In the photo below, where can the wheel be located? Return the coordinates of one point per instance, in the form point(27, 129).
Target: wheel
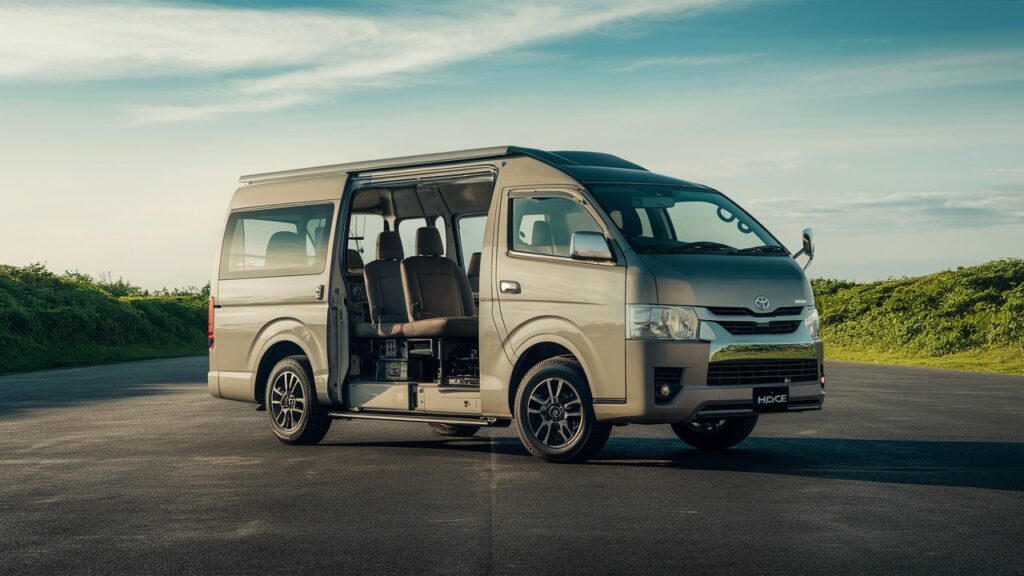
point(295, 415)
point(715, 434)
point(454, 430)
point(554, 415)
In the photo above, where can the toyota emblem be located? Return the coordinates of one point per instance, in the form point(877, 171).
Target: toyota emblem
point(762, 303)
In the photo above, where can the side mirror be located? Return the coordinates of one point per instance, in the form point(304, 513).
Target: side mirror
point(589, 246)
point(808, 248)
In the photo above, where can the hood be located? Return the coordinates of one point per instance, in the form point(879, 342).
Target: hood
point(733, 281)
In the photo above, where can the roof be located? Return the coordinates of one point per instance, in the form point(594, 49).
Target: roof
point(585, 167)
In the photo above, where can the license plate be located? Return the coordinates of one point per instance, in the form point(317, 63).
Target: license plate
point(773, 399)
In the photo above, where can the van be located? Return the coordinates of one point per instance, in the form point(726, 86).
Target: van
point(563, 293)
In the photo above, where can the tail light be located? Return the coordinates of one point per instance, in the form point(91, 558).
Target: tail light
point(209, 324)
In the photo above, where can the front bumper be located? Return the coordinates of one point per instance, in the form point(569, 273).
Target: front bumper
point(697, 399)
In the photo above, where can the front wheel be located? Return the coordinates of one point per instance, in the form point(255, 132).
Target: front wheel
point(715, 434)
point(554, 416)
point(295, 415)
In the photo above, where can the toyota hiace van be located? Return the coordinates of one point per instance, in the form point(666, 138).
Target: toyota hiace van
point(562, 292)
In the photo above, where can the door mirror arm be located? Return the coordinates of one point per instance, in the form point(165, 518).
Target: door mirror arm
point(808, 247)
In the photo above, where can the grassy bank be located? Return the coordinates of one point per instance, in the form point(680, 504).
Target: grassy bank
point(51, 320)
point(966, 319)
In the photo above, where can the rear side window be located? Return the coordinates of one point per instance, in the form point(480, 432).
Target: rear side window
point(546, 225)
point(471, 236)
point(276, 242)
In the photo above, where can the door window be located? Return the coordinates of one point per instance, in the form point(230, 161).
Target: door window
point(545, 225)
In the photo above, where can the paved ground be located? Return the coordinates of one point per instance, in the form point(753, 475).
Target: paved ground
point(132, 468)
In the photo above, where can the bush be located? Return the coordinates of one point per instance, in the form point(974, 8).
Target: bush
point(51, 320)
point(963, 310)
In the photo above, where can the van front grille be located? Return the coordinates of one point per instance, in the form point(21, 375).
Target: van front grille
point(751, 372)
point(774, 327)
point(734, 311)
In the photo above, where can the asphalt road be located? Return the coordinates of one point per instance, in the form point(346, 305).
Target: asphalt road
point(133, 468)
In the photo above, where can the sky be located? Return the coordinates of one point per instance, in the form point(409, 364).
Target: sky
point(893, 129)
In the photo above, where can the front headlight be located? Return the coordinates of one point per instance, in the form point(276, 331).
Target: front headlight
point(813, 324)
point(668, 322)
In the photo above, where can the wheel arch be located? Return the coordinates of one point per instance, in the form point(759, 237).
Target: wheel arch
point(273, 353)
point(537, 350)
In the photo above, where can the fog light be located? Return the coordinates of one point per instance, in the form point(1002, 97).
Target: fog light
point(664, 390)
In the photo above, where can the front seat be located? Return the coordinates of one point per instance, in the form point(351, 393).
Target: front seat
point(438, 297)
point(540, 238)
point(473, 272)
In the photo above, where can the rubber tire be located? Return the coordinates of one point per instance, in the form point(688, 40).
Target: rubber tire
point(315, 423)
point(454, 430)
point(594, 434)
point(730, 434)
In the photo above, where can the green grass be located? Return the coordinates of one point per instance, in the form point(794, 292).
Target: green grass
point(49, 320)
point(966, 319)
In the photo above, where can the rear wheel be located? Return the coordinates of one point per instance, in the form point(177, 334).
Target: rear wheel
point(554, 414)
point(454, 430)
point(715, 434)
point(295, 415)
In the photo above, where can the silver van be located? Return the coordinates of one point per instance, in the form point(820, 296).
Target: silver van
point(564, 292)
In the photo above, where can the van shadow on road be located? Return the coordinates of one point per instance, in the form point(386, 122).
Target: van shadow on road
point(992, 465)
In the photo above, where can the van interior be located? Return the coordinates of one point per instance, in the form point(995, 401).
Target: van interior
point(412, 269)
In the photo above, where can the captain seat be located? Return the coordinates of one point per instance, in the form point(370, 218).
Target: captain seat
point(438, 297)
point(383, 277)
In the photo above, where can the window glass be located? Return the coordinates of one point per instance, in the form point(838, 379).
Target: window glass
point(407, 230)
point(363, 231)
point(278, 242)
point(546, 225)
point(661, 219)
point(471, 236)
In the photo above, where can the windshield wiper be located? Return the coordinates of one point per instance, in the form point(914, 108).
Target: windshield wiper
point(762, 250)
point(691, 247)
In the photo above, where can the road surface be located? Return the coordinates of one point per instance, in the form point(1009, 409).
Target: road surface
point(133, 468)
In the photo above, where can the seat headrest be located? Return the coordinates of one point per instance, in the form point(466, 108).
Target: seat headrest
point(354, 262)
point(628, 221)
point(389, 246)
point(541, 234)
point(428, 242)
point(286, 250)
point(474, 265)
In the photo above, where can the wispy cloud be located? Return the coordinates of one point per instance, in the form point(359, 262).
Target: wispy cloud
point(907, 210)
point(687, 61)
point(287, 57)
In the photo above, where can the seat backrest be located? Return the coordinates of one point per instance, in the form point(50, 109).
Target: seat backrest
point(435, 286)
point(286, 250)
point(540, 238)
point(354, 263)
point(473, 272)
point(384, 291)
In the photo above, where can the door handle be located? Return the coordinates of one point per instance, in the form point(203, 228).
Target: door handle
point(509, 287)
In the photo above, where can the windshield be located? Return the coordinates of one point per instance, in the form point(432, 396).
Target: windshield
point(665, 219)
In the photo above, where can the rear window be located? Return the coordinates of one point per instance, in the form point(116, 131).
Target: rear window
point(276, 242)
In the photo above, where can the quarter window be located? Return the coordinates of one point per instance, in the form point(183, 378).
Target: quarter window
point(471, 236)
point(277, 242)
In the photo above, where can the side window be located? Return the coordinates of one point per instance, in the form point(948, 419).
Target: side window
point(471, 236)
point(362, 235)
point(407, 230)
point(546, 225)
point(276, 242)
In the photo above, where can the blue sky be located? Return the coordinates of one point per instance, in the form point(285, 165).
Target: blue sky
point(892, 128)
